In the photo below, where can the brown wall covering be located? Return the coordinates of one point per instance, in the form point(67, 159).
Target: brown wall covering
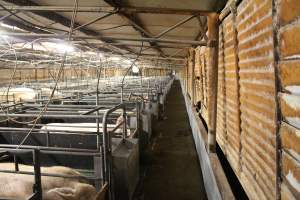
point(258, 86)
point(289, 76)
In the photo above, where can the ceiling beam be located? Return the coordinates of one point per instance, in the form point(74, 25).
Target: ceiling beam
point(175, 26)
point(136, 24)
point(134, 45)
point(62, 36)
point(53, 16)
point(97, 9)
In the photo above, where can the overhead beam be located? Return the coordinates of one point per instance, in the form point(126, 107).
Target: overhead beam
point(53, 16)
point(161, 46)
point(97, 9)
point(136, 24)
point(175, 26)
point(155, 57)
point(20, 25)
point(62, 36)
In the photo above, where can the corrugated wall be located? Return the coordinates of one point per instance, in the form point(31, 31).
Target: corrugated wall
point(257, 97)
point(232, 95)
point(247, 97)
point(289, 74)
point(202, 55)
point(221, 101)
point(258, 105)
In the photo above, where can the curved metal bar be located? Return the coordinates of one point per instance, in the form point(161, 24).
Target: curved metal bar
point(107, 153)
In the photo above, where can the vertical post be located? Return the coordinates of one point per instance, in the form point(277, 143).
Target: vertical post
point(124, 123)
point(186, 77)
point(213, 34)
point(35, 73)
point(278, 89)
point(192, 54)
point(37, 187)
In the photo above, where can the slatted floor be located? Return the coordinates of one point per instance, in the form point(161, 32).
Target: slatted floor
point(172, 170)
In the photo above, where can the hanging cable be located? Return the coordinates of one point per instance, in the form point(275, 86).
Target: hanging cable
point(132, 64)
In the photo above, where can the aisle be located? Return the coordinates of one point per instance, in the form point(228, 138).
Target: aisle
point(172, 170)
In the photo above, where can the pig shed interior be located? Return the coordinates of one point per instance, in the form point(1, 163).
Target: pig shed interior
point(149, 100)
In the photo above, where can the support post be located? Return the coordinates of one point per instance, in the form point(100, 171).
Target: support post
point(213, 34)
point(192, 54)
point(187, 77)
point(35, 74)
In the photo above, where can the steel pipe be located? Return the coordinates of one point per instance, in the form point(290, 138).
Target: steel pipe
point(153, 10)
point(62, 36)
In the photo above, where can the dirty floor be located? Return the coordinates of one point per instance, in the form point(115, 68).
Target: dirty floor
point(171, 170)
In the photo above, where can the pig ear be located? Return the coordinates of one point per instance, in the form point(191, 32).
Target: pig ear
point(102, 193)
point(60, 193)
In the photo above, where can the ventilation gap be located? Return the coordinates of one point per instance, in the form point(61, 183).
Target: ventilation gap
point(203, 122)
point(236, 187)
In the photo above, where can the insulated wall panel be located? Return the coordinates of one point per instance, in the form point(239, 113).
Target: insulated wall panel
point(233, 146)
point(257, 98)
point(289, 75)
point(221, 101)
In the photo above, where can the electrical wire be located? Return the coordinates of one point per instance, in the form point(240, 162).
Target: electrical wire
point(132, 64)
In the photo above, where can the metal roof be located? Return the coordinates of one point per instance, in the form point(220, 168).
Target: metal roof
point(111, 23)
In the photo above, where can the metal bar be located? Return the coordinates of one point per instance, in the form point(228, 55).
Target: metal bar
point(124, 124)
point(128, 9)
point(202, 30)
point(37, 187)
point(94, 110)
point(50, 174)
point(118, 126)
point(28, 148)
point(8, 15)
point(175, 26)
point(54, 16)
point(94, 20)
point(107, 157)
point(40, 131)
point(41, 35)
point(34, 196)
point(52, 116)
point(132, 45)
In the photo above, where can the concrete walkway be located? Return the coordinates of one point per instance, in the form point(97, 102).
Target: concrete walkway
point(172, 170)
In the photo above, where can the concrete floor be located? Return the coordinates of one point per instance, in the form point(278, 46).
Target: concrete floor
point(171, 169)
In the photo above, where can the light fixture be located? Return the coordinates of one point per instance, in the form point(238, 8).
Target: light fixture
point(61, 47)
point(65, 48)
point(135, 69)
